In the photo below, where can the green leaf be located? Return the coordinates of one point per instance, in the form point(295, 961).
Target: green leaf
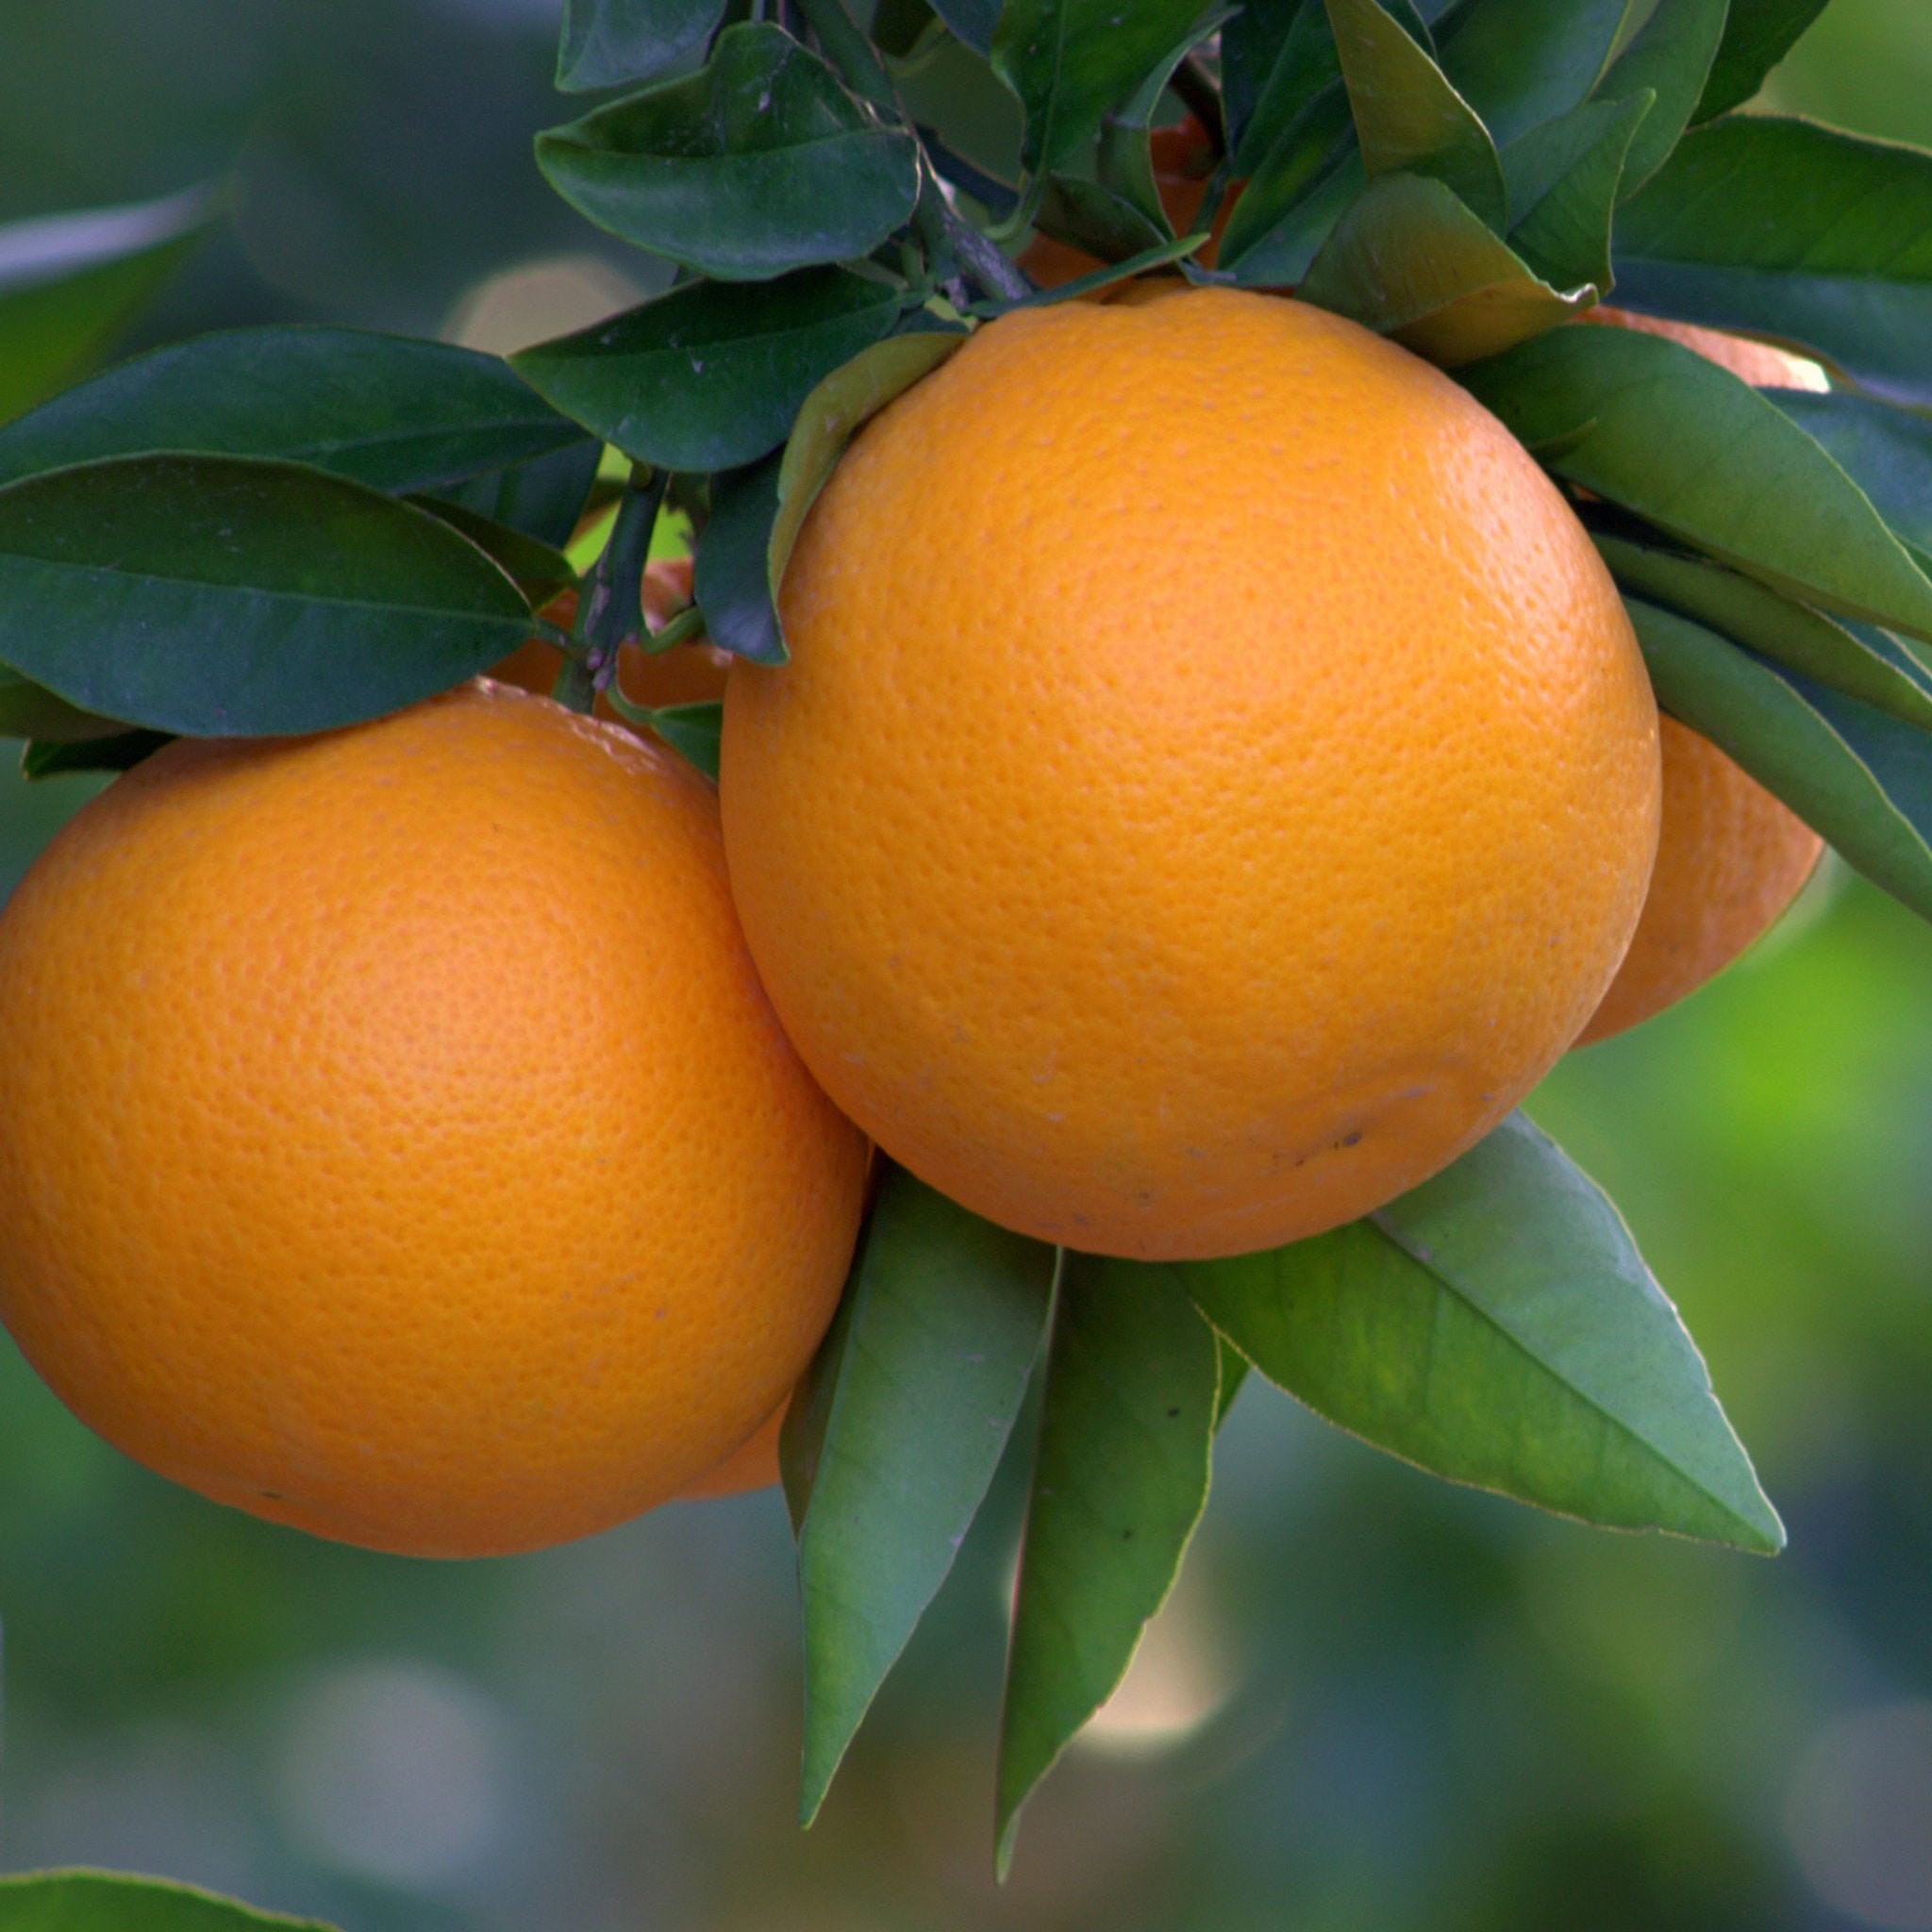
point(1127, 1435)
point(1855, 775)
point(1667, 434)
point(1070, 60)
point(1522, 62)
point(974, 22)
point(1564, 179)
point(614, 42)
point(538, 570)
point(1410, 261)
point(69, 284)
point(904, 1416)
point(1276, 56)
point(221, 595)
point(1125, 160)
point(544, 497)
point(1672, 58)
point(710, 376)
point(1497, 1327)
point(397, 414)
point(693, 731)
point(112, 1902)
point(1284, 217)
point(758, 513)
point(1094, 219)
point(1408, 117)
point(1757, 35)
point(1887, 452)
point(1794, 231)
point(1860, 661)
point(758, 163)
point(29, 711)
point(56, 758)
point(1234, 1378)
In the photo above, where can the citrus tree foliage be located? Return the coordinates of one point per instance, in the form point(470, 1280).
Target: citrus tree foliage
point(283, 530)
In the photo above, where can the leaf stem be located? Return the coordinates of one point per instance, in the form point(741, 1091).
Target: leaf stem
point(610, 610)
point(984, 261)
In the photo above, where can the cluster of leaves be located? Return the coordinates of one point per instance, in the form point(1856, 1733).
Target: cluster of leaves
point(284, 530)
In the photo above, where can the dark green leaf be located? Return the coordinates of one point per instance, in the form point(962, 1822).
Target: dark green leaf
point(1093, 219)
point(1410, 261)
point(710, 376)
point(69, 284)
point(974, 22)
point(693, 731)
point(1408, 116)
point(1657, 428)
point(1670, 57)
point(1757, 35)
point(1522, 62)
point(1070, 60)
point(613, 42)
point(218, 595)
point(907, 1412)
point(27, 710)
point(1859, 660)
point(543, 498)
point(1127, 1435)
point(112, 1902)
point(1856, 775)
point(1886, 452)
point(732, 581)
point(758, 163)
point(1288, 210)
point(44, 758)
point(1564, 178)
point(1497, 1326)
point(391, 412)
point(1125, 160)
point(538, 570)
point(1793, 231)
point(1276, 56)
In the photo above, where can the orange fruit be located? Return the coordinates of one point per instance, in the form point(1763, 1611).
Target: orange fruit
point(692, 674)
point(1184, 159)
point(1731, 857)
point(752, 1465)
point(1182, 913)
point(394, 1139)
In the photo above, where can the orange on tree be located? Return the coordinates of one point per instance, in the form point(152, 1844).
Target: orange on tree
point(1730, 855)
point(443, 1182)
point(752, 1465)
point(1173, 913)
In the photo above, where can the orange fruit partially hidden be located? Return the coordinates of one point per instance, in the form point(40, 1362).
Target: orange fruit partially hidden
point(1763, 364)
point(1730, 859)
point(752, 1465)
point(394, 1139)
point(1175, 913)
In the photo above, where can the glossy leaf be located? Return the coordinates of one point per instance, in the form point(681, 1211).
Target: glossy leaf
point(538, 570)
point(732, 581)
point(1670, 57)
point(542, 496)
point(1287, 213)
point(1276, 56)
point(758, 163)
point(113, 1902)
point(614, 42)
point(388, 411)
point(1070, 60)
point(710, 376)
point(1857, 777)
point(1127, 1435)
point(1564, 179)
point(904, 1416)
point(1886, 452)
point(1408, 116)
point(69, 284)
point(1657, 428)
point(1497, 1327)
point(695, 732)
point(1410, 261)
point(1797, 232)
point(1857, 659)
point(1757, 35)
point(1124, 159)
point(30, 711)
point(1095, 220)
point(56, 757)
point(1522, 62)
point(217, 595)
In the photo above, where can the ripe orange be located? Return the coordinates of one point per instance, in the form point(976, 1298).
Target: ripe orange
point(689, 674)
point(394, 1139)
point(752, 1465)
point(1730, 855)
point(1182, 913)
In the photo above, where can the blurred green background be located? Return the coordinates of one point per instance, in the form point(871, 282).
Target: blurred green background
point(1374, 1703)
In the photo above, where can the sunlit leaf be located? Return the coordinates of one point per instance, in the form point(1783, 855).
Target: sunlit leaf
point(1125, 1439)
point(903, 1421)
point(1662, 431)
point(1757, 35)
point(112, 1902)
point(614, 42)
point(218, 595)
point(758, 163)
point(1497, 1326)
point(710, 376)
